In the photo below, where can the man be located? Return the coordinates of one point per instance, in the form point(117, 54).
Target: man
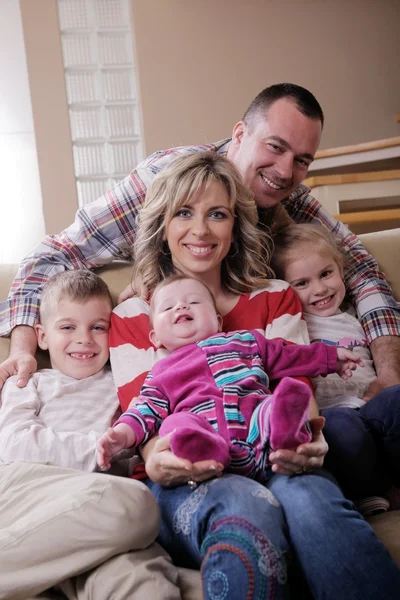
point(273, 147)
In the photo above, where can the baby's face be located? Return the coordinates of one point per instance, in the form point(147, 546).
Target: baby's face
point(317, 281)
point(183, 313)
point(76, 336)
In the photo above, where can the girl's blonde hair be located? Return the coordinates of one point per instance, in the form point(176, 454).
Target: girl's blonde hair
point(246, 267)
point(289, 238)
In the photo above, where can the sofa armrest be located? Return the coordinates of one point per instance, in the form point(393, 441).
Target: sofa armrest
point(385, 248)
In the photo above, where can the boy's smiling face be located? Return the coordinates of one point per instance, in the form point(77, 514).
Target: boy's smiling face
point(76, 336)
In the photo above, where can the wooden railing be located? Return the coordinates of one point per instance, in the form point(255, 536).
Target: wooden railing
point(362, 216)
point(356, 148)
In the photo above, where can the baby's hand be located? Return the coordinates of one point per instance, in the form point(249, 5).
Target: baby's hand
point(347, 362)
point(113, 441)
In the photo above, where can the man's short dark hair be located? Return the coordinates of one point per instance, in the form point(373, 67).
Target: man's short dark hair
point(304, 100)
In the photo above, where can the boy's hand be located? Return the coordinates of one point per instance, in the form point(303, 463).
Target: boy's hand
point(113, 441)
point(347, 362)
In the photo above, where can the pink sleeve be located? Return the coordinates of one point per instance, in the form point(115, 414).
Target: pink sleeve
point(290, 360)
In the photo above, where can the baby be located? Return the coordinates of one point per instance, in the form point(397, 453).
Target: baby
point(212, 392)
point(364, 444)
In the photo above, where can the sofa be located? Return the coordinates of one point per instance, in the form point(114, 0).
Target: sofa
point(384, 246)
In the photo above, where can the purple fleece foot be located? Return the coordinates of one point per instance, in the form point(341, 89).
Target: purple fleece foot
point(289, 415)
point(194, 438)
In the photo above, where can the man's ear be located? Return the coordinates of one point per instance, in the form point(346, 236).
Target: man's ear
point(219, 323)
point(154, 339)
point(41, 337)
point(238, 132)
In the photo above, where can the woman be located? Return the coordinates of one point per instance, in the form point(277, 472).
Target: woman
point(198, 219)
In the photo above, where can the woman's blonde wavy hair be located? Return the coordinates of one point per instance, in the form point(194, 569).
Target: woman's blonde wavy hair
point(244, 269)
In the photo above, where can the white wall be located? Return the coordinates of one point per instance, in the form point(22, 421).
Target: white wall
point(21, 217)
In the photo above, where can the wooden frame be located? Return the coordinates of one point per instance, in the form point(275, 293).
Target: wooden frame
point(359, 217)
point(362, 147)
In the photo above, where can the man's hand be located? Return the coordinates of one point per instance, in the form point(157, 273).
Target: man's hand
point(23, 365)
point(385, 352)
point(346, 362)
point(21, 361)
point(374, 388)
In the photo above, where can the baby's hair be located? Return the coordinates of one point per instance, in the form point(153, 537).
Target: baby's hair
point(78, 285)
point(289, 238)
point(173, 279)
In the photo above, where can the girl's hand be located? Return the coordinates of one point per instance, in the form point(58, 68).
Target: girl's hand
point(347, 362)
point(163, 467)
point(306, 457)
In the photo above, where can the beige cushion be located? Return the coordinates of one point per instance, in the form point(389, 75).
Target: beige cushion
point(385, 247)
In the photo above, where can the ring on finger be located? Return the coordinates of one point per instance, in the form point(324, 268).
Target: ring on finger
point(192, 484)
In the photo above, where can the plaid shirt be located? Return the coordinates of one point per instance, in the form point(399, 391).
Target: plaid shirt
point(104, 231)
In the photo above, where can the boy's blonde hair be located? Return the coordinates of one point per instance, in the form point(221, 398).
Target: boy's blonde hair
point(173, 279)
point(78, 285)
point(289, 238)
point(246, 267)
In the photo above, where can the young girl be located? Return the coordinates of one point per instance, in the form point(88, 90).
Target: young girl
point(212, 392)
point(363, 437)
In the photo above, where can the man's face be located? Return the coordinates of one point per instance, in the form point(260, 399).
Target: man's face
point(273, 152)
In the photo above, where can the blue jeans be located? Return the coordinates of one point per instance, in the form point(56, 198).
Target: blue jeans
point(249, 539)
point(364, 445)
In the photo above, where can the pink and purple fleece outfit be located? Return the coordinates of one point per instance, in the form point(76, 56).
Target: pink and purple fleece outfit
point(215, 395)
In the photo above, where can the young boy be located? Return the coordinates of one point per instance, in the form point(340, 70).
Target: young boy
point(212, 391)
point(59, 416)
point(364, 444)
point(61, 526)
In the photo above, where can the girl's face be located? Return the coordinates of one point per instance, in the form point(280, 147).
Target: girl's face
point(199, 234)
point(317, 281)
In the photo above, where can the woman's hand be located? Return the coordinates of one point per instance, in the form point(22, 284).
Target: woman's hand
point(306, 457)
point(133, 288)
point(163, 467)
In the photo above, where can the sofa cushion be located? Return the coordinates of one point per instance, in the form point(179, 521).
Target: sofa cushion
point(385, 248)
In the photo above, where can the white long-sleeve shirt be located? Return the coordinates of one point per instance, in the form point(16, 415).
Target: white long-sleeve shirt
point(56, 419)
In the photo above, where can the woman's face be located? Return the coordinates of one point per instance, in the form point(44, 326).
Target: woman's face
point(199, 234)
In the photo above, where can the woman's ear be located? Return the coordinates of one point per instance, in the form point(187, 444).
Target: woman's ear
point(41, 337)
point(154, 339)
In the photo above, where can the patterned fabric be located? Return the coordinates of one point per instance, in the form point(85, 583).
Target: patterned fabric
point(275, 311)
point(104, 231)
point(223, 379)
point(56, 419)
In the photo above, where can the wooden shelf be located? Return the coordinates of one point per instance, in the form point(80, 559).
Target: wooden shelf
point(355, 148)
point(344, 178)
point(369, 216)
